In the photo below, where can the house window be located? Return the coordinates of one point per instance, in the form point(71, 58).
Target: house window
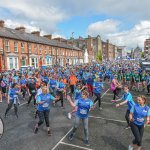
point(35, 48)
point(45, 49)
point(16, 62)
point(12, 62)
point(40, 49)
point(22, 47)
point(34, 62)
point(15, 46)
point(50, 50)
point(7, 48)
point(29, 48)
point(23, 61)
point(57, 51)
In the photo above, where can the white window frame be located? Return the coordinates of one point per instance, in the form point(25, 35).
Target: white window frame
point(45, 49)
point(15, 46)
point(35, 61)
point(22, 47)
point(40, 49)
point(7, 46)
point(29, 48)
point(15, 64)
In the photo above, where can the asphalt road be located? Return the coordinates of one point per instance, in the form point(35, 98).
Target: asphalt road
point(106, 129)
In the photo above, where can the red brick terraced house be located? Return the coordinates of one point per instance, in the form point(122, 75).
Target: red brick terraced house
point(19, 48)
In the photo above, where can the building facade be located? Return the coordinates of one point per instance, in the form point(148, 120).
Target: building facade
point(147, 48)
point(18, 48)
point(137, 52)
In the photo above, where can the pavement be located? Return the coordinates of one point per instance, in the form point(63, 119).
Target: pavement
point(106, 128)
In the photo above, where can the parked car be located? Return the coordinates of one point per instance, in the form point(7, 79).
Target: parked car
point(145, 66)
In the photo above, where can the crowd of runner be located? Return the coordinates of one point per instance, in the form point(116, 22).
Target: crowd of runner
point(82, 86)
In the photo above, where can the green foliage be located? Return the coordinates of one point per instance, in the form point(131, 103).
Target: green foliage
point(99, 57)
point(142, 54)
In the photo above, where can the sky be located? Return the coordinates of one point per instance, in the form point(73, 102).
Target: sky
point(123, 22)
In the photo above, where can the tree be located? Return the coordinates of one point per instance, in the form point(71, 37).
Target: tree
point(142, 54)
point(99, 57)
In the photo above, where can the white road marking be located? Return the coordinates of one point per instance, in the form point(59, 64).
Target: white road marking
point(107, 119)
point(75, 146)
point(133, 95)
point(61, 139)
point(71, 129)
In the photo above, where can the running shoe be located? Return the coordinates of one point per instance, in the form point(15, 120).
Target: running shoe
point(127, 127)
point(100, 108)
point(70, 137)
point(36, 130)
point(86, 142)
point(69, 115)
point(130, 147)
point(16, 115)
point(49, 132)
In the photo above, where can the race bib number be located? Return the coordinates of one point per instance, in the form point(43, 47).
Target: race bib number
point(45, 105)
point(140, 119)
point(83, 111)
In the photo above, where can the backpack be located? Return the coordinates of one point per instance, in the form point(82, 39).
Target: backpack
point(3, 84)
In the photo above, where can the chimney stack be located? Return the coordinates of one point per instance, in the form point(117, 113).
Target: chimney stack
point(2, 23)
point(48, 36)
point(22, 29)
point(37, 33)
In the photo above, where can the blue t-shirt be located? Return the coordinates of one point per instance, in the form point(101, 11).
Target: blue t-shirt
point(77, 94)
point(60, 85)
point(52, 83)
point(99, 86)
point(12, 93)
point(83, 107)
point(47, 99)
point(129, 98)
point(23, 81)
point(140, 113)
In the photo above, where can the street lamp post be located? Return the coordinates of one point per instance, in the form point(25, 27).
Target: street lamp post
point(72, 47)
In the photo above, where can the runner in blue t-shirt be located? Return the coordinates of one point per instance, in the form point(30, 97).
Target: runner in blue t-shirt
point(83, 105)
point(139, 116)
point(77, 95)
point(127, 99)
point(43, 102)
point(98, 86)
point(13, 91)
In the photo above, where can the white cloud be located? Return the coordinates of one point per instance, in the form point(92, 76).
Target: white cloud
point(40, 13)
point(109, 29)
point(133, 37)
point(103, 27)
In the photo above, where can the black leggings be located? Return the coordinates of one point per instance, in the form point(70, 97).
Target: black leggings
point(72, 89)
point(10, 106)
point(98, 98)
point(138, 133)
point(148, 88)
point(116, 92)
point(30, 98)
point(43, 115)
point(23, 90)
point(127, 117)
point(60, 99)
